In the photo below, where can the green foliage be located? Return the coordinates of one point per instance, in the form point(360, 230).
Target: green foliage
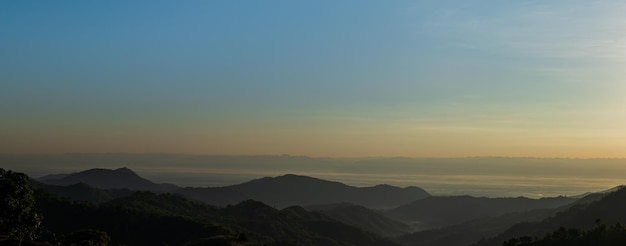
point(87, 238)
point(18, 218)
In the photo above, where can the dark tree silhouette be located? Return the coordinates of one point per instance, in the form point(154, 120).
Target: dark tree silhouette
point(601, 235)
point(87, 237)
point(18, 218)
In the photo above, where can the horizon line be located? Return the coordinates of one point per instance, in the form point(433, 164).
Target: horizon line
point(315, 157)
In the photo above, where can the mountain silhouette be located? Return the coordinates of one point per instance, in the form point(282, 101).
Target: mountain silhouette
point(83, 192)
point(608, 210)
point(217, 196)
point(121, 178)
point(52, 177)
point(439, 211)
point(146, 218)
point(290, 189)
point(363, 218)
point(472, 231)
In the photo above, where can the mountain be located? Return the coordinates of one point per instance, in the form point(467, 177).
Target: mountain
point(83, 192)
point(52, 177)
point(288, 190)
point(363, 218)
point(296, 222)
point(608, 210)
point(600, 193)
point(282, 191)
point(218, 196)
point(440, 211)
point(474, 230)
point(145, 218)
point(122, 178)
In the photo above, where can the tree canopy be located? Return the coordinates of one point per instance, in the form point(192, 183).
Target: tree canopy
point(18, 218)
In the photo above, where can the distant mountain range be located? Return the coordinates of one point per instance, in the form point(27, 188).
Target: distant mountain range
point(288, 190)
point(410, 215)
point(281, 192)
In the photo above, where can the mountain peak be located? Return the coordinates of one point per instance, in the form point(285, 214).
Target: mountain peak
point(124, 170)
point(293, 176)
point(121, 178)
point(291, 189)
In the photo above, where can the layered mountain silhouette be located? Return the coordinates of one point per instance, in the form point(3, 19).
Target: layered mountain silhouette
point(287, 190)
point(472, 231)
point(145, 218)
point(83, 192)
point(281, 192)
point(122, 178)
point(438, 220)
point(439, 211)
point(363, 218)
point(268, 211)
point(608, 210)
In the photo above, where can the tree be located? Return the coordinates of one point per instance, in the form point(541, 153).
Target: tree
point(18, 218)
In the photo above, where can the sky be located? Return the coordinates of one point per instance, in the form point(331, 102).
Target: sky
point(436, 78)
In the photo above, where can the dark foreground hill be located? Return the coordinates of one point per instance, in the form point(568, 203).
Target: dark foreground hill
point(121, 178)
point(145, 218)
point(287, 190)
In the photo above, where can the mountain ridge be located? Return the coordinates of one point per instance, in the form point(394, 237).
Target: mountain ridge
point(439, 211)
point(364, 218)
point(280, 191)
point(146, 218)
point(291, 189)
point(120, 178)
point(608, 209)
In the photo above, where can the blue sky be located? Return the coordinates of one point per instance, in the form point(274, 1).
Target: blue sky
point(319, 78)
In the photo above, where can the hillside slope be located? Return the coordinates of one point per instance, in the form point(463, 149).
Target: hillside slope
point(608, 210)
point(121, 178)
point(145, 218)
point(363, 218)
point(440, 211)
point(288, 190)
